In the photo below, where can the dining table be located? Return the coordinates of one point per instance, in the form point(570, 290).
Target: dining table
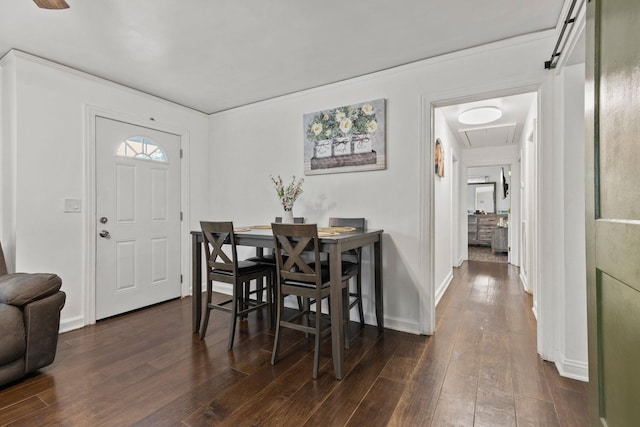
point(333, 244)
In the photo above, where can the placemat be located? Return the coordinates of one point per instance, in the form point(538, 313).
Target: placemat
point(337, 229)
point(327, 233)
point(261, 227)
point(241, 229)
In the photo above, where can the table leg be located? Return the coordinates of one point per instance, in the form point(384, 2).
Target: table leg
point(196, 283)
point(377, 256)
point(337, 319)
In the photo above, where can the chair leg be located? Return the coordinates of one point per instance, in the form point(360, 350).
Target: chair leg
point(205, 320)
point(316, 352)
point(234, 313)
point(259, 290)
point(306, 307)
point(269, 298)
point(276, 341)
point(359, 291)
point(346, 315)
point(245, 298)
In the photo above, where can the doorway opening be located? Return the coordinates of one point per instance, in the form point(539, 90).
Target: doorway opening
point(495, 162)
point(488, 204)
point(470, 151)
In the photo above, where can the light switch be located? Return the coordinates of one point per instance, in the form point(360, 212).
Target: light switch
point(72, 205)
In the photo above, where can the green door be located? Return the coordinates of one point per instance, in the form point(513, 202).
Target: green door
point(613, 210)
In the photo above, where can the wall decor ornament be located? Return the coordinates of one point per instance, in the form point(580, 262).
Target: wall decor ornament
point(345, 139)
point(439, 158)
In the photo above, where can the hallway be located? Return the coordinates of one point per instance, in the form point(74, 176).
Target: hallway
point(486, 328)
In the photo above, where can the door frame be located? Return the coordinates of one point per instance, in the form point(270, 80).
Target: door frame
point(91, 112)
point(545, 298)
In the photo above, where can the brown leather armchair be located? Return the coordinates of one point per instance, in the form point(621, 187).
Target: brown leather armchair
point(30, 306)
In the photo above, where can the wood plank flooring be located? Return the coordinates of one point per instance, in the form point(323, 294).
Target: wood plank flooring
point(147, 369)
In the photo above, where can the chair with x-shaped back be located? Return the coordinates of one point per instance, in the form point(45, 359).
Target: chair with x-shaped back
point(223, 266)
point(302, 278)
point(268, 257)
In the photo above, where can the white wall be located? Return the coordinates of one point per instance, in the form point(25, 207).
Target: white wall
point(527, 187)
point(572, 360)
point(7, 152)
point(251, 142)
point(443, 214)
point(45, 133)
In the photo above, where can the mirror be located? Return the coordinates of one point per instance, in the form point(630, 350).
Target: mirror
point(481, 197)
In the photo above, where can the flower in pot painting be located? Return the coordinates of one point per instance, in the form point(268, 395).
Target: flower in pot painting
point(345, 139)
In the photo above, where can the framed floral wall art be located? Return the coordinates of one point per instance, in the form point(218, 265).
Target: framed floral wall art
point(345, 139)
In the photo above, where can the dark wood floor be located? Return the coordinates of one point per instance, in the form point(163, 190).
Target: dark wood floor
point(147, 369)
point(484, 253)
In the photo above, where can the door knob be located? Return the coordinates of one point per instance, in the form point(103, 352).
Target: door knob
point(105, 234)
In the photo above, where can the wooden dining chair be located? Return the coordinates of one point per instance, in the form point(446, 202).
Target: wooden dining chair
point(352, 263)
point(269, 258)
point(302, 278)
point(223, 266)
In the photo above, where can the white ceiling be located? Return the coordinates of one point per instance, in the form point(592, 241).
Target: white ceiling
point(506, 130)
point(216, 55)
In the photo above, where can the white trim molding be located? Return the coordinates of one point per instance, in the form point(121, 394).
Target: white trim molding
point(574, 369)
point(91, 113)
point(442, 287)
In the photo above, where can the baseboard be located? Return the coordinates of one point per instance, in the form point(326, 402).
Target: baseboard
point(525, 284)
point(395, 323)
point(573, 369)
point(442, 288)
point(460, 261)
point(67, 325)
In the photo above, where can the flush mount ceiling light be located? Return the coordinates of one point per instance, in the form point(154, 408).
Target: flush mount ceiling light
point(480, 115)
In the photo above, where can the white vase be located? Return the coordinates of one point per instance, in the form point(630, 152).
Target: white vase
point(287, 218)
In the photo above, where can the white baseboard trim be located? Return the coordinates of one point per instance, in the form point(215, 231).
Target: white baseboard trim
point(395, 323)
point(525, 284)
point(574, 369)
point(67, 325)
point(460, 261)
point(442, 288)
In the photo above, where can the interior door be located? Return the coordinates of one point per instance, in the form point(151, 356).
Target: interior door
point(138, 217)
point(613, 211)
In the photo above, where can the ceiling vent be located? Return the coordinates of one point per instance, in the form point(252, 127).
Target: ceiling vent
point(488, 136)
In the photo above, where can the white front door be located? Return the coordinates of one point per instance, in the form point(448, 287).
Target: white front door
point(138, 217)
